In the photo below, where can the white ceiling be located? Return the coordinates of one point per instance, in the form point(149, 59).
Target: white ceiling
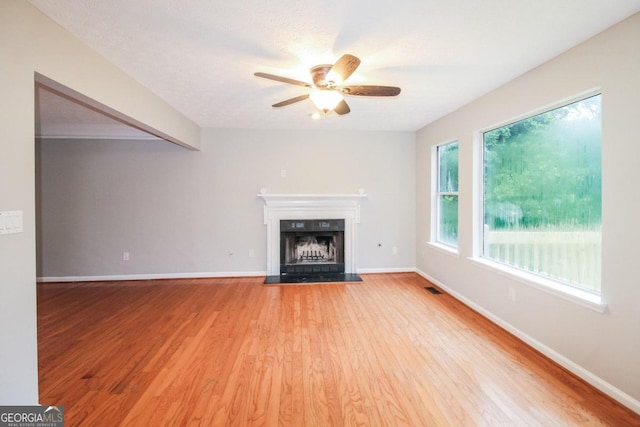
point(200, 55)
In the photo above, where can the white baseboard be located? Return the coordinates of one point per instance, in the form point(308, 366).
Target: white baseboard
point(199, 275)
point(124, 277)
point(561, 360)
point(386, 270)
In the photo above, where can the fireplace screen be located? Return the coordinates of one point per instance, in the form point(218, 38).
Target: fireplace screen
point(311, 246)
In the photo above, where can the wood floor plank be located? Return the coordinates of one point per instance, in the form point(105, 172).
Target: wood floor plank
point(234, 352)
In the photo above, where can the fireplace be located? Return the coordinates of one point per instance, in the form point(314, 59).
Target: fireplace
point(281, 210)
point(309, 246)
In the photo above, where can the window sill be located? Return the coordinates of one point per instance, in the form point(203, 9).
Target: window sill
point(577, 296)
point(450, 250)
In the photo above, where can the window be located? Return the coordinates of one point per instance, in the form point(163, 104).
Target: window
point(447, 194)
point(542, 194)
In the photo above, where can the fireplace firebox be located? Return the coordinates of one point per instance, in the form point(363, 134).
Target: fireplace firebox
point(311, 246)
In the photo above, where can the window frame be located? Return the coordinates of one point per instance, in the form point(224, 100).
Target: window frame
point(560, 289)
point(435, 203)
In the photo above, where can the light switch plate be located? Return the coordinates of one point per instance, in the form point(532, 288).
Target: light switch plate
point(11, 222)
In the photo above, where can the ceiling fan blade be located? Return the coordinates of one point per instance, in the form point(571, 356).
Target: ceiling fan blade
point(343, 68)
point(342, 108)
point(291, 101)
point(365, 90)
point(282, 79)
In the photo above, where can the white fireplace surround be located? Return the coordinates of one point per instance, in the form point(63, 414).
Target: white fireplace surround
point(312, 206)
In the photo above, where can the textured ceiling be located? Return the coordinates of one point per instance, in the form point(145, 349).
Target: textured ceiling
point(200, 55)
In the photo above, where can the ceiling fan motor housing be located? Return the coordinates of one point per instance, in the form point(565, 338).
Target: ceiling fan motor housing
point(319, 76)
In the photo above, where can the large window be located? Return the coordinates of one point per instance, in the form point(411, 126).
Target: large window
point(447, 194)
point(542, 194)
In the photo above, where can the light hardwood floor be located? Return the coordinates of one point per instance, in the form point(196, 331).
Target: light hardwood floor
point(211, 352)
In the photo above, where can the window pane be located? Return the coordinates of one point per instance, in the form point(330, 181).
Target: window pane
point(448, 167)
point(542, 194)
point(447, 194)
point(448, 224)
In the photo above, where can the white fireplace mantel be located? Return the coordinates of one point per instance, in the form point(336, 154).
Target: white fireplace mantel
point(311, 206)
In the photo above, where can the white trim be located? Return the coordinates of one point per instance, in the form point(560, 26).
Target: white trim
point(199, 275)
point(566, 292)
point(312, 206)
point(568, 100)
point(314, 199)
point(126, 277)
point(386, 270)
point(449, 250)
point(561, 360)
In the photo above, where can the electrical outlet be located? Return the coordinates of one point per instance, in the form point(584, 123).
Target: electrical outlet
point(283, 173)
point(394, 250)
point(125, 256)
point(252, 253)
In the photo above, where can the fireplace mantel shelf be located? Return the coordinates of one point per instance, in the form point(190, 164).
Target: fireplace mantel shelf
point(309, 198)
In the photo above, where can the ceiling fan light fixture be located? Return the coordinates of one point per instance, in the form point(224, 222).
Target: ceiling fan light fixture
point(326, 100)
point(327, 91)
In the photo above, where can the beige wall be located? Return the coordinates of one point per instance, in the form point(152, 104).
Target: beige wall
point(603, 347)
point(30, 43)
point(184, 211)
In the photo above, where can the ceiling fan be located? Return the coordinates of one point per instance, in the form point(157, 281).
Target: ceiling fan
point(327, 90)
